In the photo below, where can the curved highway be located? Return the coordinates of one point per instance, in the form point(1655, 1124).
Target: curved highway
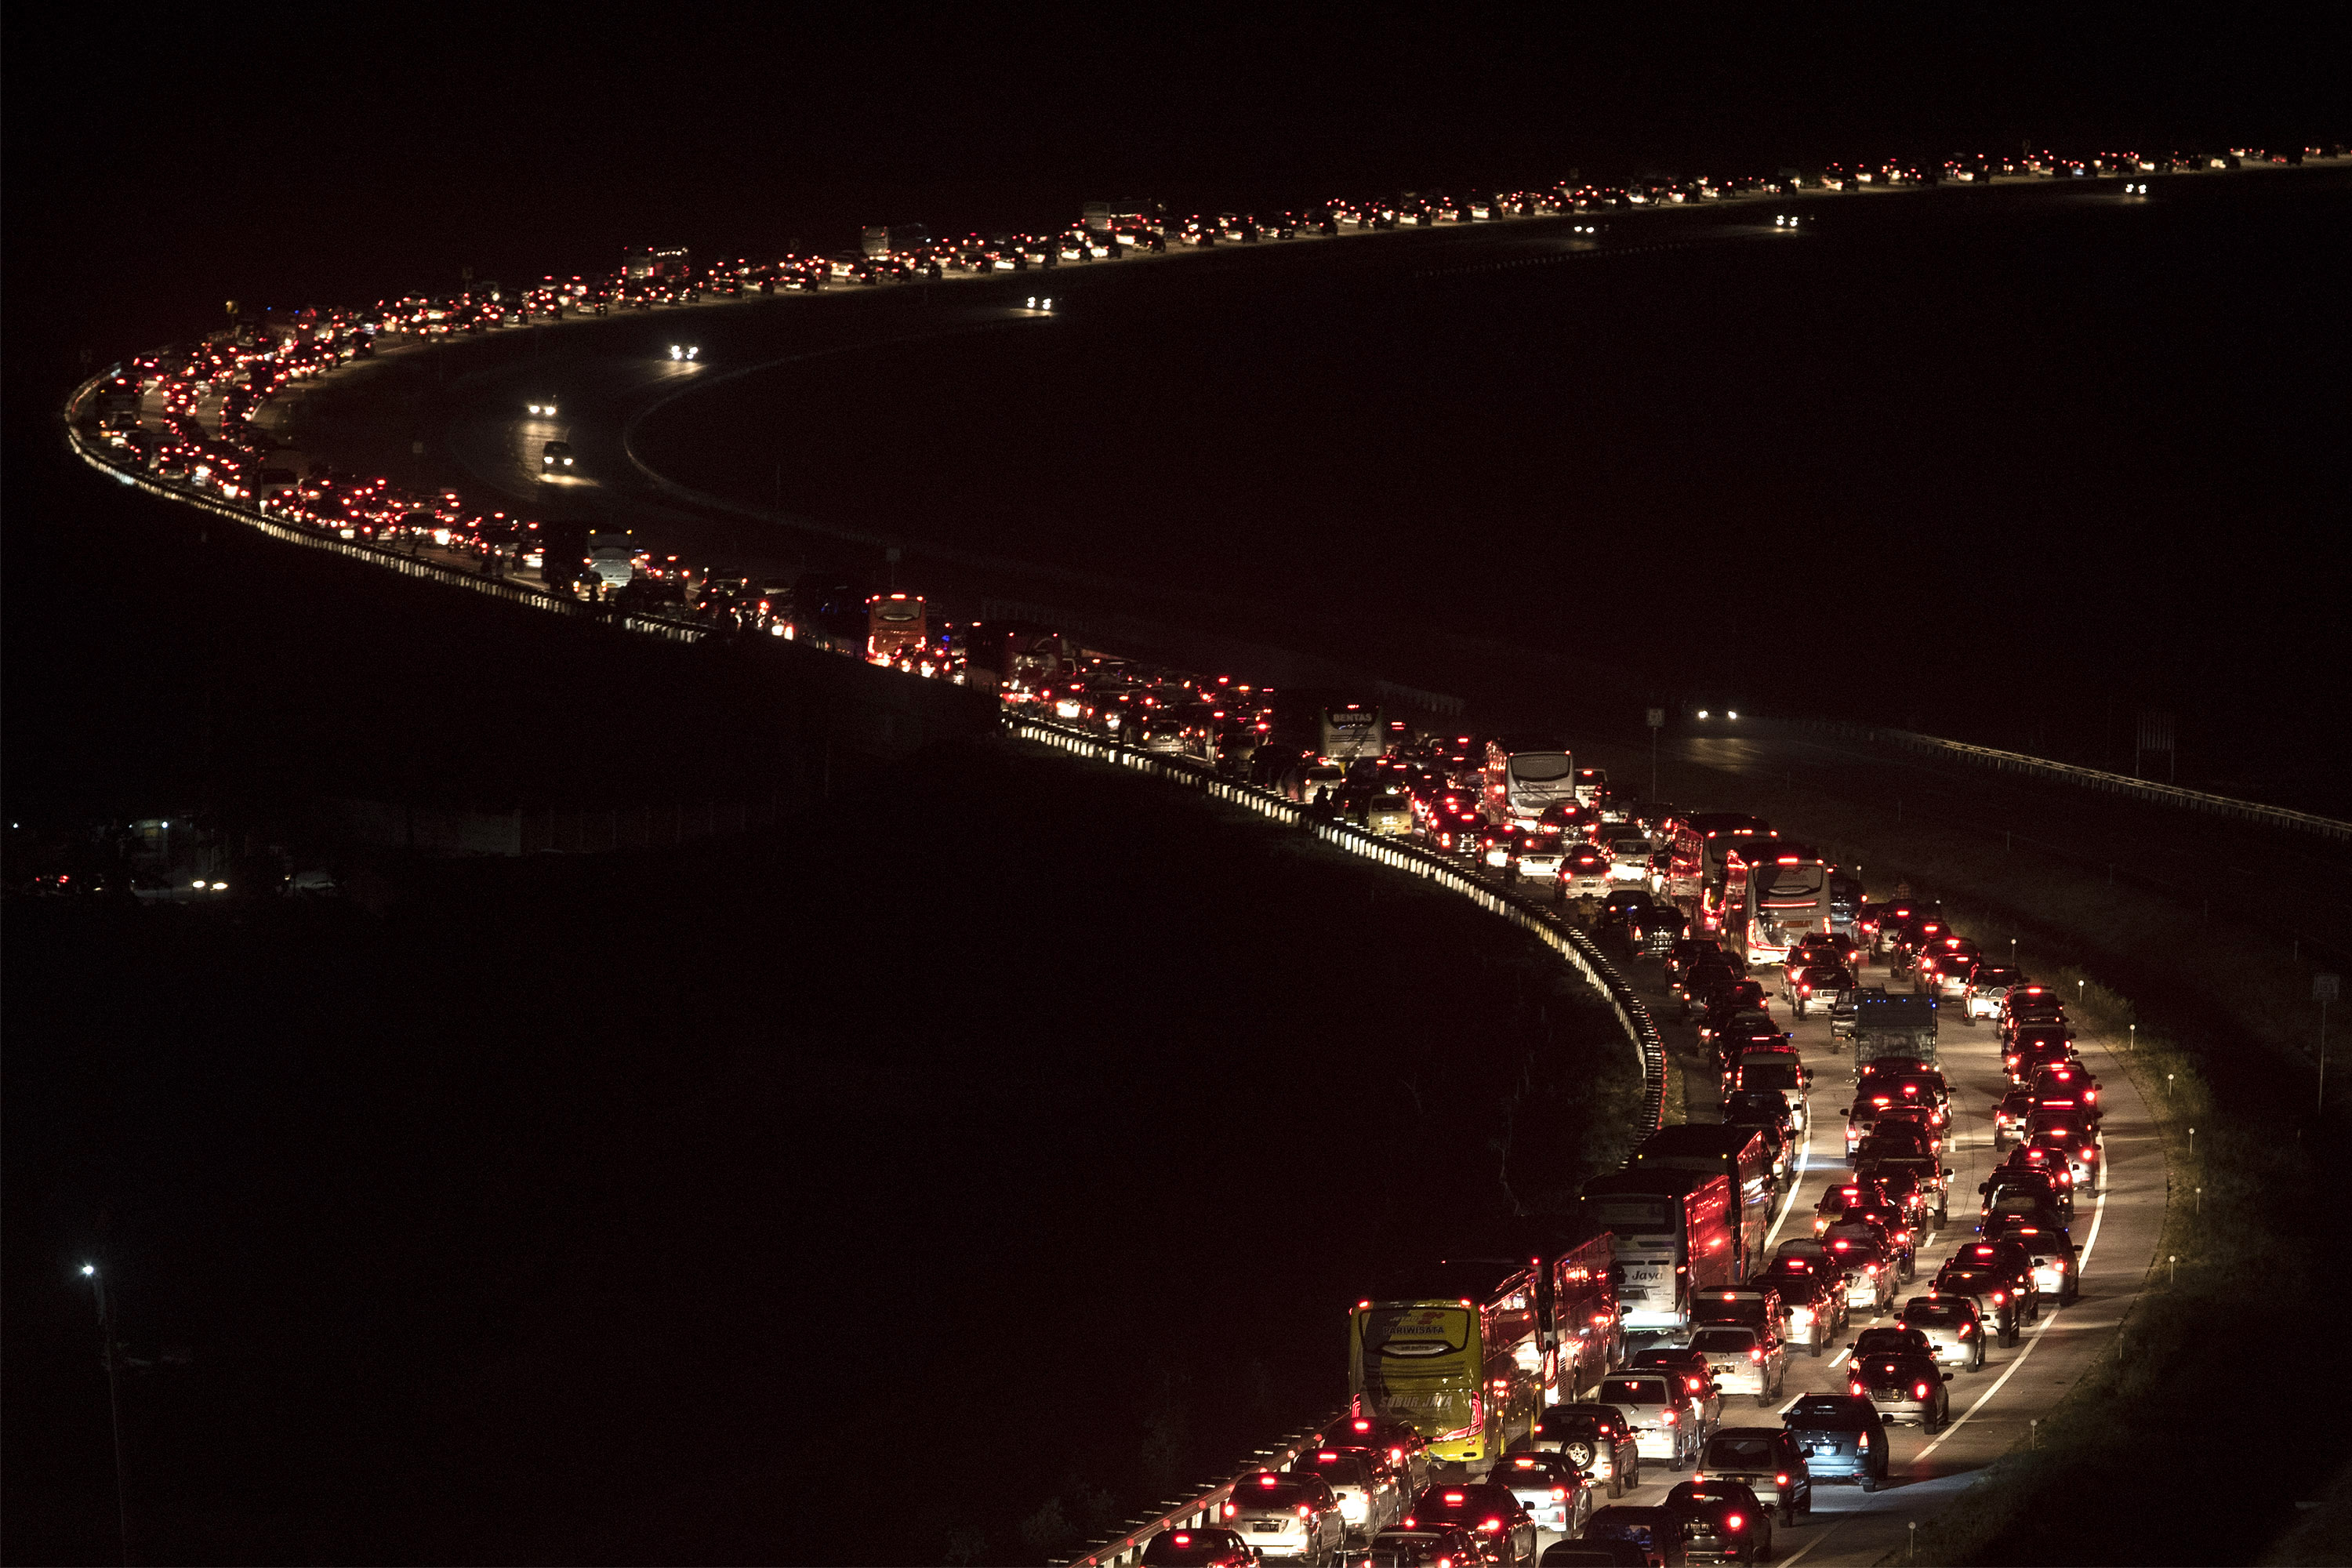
point(439, 415)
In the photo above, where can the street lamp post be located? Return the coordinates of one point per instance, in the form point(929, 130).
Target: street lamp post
point(114, 1406)
point(2323, 990)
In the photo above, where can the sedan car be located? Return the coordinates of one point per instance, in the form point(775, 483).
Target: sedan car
point(1767, 1461)
point(1199, 1548)
point(1285, 1516)
point(1552, 1488)
point(1417, 1546)
point(1504, 1529)
point(1842, 1437)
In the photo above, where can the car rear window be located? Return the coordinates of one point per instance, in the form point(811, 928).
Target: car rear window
point(1340, 1469)
point(1824, 1410)
point(1724, 1339)
point(1739, 1453)
point(1535, 1470)
point(1282, 1495)
point(1635, 1391)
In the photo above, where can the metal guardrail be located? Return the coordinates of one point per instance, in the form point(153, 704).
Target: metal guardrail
point(1570, 943)
point(2097, 779)
point(1579, 950)
point(1127, 1547)
point(97, 456)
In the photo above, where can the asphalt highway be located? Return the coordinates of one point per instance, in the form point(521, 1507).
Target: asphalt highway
point(1992, 1409)
point(607, 374)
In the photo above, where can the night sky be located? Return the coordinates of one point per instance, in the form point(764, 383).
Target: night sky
point(163, 159)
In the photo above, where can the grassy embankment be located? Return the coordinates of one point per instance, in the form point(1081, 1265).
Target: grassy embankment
point(2221, 1037)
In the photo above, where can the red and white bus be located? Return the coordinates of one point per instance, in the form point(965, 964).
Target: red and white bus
point(895, 623)
point(1526, 775)
point(1675, 1235)
point(1774, 895)
point(1699, 842)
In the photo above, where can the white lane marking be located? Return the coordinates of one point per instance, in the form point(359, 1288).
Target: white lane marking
point(1804, 1163)
point(1798, 1556)
point(1841, 1356)
point(2009, 1371)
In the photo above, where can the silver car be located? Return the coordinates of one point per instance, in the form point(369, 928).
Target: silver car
point(1744, 1361)
point(1954, 1331)
point(1285, 1516)
point(1666, 1425)
point(1555, 1494)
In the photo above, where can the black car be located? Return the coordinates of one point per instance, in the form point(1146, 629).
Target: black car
point(1199, 1548)
point(1996, 1304)
point(1588, 1552)
point(1656, 1532)
point(1842, 1437)
point(1722, 1522)
point(1595, 1439)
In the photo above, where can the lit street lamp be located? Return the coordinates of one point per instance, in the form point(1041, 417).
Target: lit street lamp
point(113, 1406)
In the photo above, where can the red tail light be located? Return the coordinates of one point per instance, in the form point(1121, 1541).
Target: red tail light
point(1855, 1386)
point(1779, 1480)
point(1732, 1521)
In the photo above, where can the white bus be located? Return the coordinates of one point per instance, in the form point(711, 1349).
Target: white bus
point(1775, 900)
point(1525, 774)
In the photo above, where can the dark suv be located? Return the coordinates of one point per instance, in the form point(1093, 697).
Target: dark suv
point(1842, 1437)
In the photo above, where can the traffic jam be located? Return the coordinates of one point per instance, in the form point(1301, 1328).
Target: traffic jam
point(1884, 1167)
point(191, 416)
point(1887, 1179)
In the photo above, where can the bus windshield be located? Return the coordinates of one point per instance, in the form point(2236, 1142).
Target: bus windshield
point(1634, 1215)
point(1539, 767)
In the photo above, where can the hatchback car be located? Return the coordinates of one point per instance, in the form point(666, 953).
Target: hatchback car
point(1664, 1418)
point(1766, 1462)
point(1746, 1359)
point(1493, 1517)
point(1954, 1333)
point(1905, 1386)
point(1552, 1488)
point(1365, 1480)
